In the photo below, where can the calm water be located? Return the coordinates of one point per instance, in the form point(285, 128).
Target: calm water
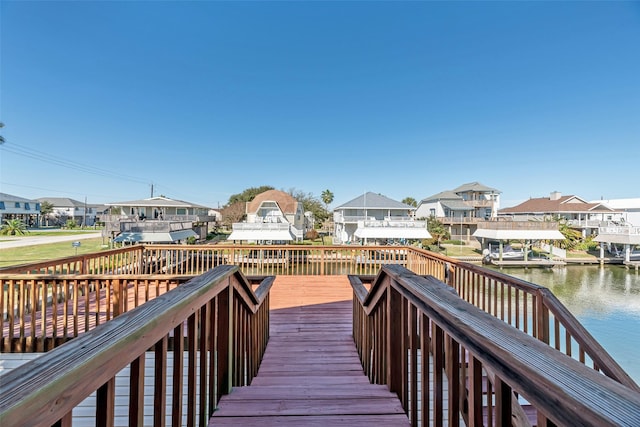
point(605, 300)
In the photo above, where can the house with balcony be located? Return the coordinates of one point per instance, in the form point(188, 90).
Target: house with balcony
point(627, 210)
point(69, 209)
point(273, 216)
point(468, 202)
point(14, 207)
point(577, 212)
point(372, 218)
point(462, 208)
point(156, 220)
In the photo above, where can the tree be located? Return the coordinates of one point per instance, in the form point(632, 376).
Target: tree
point(248, 195)
point(234, 212)
point(46, 209)
point(410, 201)
point(13, 227)
point(572, 237)
point(327, 198)
point(310, 203)
point(437, 229)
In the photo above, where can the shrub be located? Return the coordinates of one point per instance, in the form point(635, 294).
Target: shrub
point(311, 235)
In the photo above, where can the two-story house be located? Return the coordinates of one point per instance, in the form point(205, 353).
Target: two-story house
point(69, 209)
point(469, 202)
point(462, 208)
point(156, 220)
point(14, 207)
point(272, 216)
point(373, 217)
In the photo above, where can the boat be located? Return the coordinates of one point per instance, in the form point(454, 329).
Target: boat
point(508, 254)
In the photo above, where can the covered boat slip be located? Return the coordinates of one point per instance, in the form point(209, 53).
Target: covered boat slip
point(391, 230)
point(628, 237)
point(526, 232)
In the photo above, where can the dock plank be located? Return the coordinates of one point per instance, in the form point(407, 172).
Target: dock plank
point(310, 374)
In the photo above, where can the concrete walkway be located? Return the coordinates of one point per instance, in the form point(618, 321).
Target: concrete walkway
point(7, 242)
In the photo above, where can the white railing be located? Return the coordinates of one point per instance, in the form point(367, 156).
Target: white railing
point(393, 223)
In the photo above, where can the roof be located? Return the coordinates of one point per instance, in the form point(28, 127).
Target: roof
point(158, 201)
point(511, 234)
point(155, 237)
point(62, 202)
point(476, 187)
point(286, 202)
point(621, 204)
point(457, 205)
point(371, 200)
point(561, 205)
point(8, 197)
point(444, 195)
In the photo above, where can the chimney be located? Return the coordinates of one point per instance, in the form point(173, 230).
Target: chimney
point(555, 195)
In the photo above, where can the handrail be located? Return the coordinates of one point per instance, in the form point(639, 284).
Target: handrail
point(404, 315)
point(215, 317)
point(521, 304)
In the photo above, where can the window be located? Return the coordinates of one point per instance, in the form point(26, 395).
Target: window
point(27, 207)
point(17, 205)
point(181, 211)
point(2, 205)
point(37, 206)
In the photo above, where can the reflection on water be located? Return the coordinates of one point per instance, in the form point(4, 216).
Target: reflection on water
point(605, 300)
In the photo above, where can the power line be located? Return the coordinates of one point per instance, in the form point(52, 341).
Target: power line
point(65, 163)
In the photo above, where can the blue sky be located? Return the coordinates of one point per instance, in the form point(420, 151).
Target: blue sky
point(203, 99)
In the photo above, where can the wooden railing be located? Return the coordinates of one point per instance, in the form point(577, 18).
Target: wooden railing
point(214, 326)
point(482, 370)
point(530, 308)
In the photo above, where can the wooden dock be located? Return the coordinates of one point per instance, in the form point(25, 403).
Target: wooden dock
point(311, 374)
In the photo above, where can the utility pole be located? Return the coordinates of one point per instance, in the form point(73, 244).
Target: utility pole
point(152, 190)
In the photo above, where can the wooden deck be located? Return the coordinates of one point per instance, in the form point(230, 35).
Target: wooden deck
point(310, 374)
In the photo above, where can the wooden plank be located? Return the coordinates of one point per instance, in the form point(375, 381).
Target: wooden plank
point(310, 374)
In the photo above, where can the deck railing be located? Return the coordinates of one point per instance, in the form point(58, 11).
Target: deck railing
point(530, 308)
point(214, 326)
point(482, 370)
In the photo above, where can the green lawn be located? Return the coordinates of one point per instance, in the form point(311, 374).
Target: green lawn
point(35, 253)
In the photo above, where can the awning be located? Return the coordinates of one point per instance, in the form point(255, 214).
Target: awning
point(261, 235)
point(519, 234)
point(623, 239)
point(392, 233)
point(157, 237)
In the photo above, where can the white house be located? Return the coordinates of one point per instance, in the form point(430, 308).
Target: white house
point(272, 216)
point(14, 207)
point(156, 220)
point(64, 209)
point(471, 200)
point(375, 217)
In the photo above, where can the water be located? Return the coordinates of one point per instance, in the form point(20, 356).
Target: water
point(605, 300)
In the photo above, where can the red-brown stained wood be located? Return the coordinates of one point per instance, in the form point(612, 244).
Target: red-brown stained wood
point(310, 374)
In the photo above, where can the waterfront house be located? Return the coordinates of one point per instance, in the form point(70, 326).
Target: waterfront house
point(462, 208)
point(69, 209)
point(14, 207)
point(577, 212)
point(465, 203)
point(374, 217)
point(156, 220)
point(272, 216)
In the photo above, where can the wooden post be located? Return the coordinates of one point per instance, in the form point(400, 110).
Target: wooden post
point(394, 340)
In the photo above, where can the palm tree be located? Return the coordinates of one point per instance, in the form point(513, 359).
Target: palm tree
point(410, 201)
point(437, 230)
point(12, 227)
point(46, 208)
point(327, 198)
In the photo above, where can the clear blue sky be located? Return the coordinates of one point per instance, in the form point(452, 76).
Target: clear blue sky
point(205, 99)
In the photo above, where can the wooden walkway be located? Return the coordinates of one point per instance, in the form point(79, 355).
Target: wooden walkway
point(310, 374)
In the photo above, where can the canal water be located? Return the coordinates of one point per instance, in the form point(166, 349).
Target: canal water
point(606, 300)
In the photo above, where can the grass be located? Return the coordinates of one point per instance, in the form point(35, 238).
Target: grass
point(36, 253)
